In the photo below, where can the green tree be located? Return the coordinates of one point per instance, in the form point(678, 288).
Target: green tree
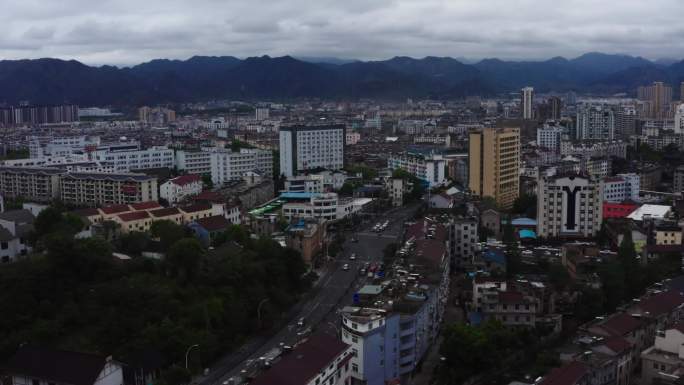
point(207, 181)
point(559, 276)
point(167, 232)
point(134, 242)
point(184, 258)
point(612, 276)
point(525, 205)
point(630, 265)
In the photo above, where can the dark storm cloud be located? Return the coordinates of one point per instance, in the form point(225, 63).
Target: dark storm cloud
point(131, 31)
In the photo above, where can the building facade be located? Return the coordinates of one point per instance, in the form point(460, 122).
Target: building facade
point(569, 206)
point(310, 147)
point(494, 164)
point(30, 183)
point(106, 189)
point(429, 168)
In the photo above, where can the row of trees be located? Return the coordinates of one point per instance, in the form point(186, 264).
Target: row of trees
point(74, 295)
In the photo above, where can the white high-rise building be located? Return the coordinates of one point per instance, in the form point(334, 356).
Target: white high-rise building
point(229, 165)
point(429, 168)
point(595, 123)
point(679, 119)
point(526, 102)
point(569, 206)
point(310, 147)
point(549, 137)
point(261, 113)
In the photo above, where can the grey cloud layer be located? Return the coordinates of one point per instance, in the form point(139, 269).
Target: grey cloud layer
point(131, 31)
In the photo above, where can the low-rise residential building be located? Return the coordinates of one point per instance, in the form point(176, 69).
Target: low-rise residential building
point(304, 183)
point(227, 166)
point(206, 229)
point(307, 237)
point(663, 363)
point(126, 161)
point(172, 214)
point(194, 162)
point(426, 167)
point(197, 211)
point(177, 189)
point(30, 364)
point(134, 221)
point(15, 227)
point(320, 360)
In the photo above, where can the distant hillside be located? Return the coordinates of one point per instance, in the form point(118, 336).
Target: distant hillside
point(200, 78)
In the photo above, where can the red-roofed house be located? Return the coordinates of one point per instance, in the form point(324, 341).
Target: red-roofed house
point(631, 328)
point(320, 360)
point(149, 205)
point(134, 221)
point(176, 189)
point(207, 228)
point(169, 214)
point(622, 353)
point(108, 212)
point(574, 373)
point(196, 211)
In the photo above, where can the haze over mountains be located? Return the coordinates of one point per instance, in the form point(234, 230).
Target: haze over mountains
point(51, 81)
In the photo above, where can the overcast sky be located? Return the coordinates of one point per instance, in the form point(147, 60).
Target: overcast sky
point(123, 32)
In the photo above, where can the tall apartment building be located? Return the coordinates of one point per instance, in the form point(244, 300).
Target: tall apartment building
point(494, 164)
point(39, 184)
point(555, 106)
point(107, 189)
point(427, 167)
point(463, 241)
point(27, 115)
point(569, 206)
point(310, 147)
point(679, 119)
point(526, 103)
point(549, 137)
point(659, 96)
point(595, 123)
point(623, 187)
point(229, 165)
point(625, 121)
point(261, 113)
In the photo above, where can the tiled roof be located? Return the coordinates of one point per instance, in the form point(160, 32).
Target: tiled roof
point(87, 212)
point(149, 205)
point(569, 374)
point(617, 344)
point(621, 324)
point(56, 366)
point(196, 207)
point(134, 216)
point(511, 297)
point(661, 303)
point(165, 212)
point(304, 363)
point(115, 209)
point(18, 216)
point(186, 179)
point(214, 223)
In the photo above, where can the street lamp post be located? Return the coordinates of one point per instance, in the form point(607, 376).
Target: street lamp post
point(261, 303)
point(188, 352)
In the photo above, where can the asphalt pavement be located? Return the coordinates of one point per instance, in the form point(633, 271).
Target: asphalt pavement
point(333, 291)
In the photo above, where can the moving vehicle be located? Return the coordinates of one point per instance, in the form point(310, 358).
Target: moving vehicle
point(345, 267)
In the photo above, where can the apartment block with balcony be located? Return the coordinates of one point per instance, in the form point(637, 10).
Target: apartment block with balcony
point(108, 189)
point(30, 183)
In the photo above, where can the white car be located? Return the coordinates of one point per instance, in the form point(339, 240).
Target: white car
point(345, 267)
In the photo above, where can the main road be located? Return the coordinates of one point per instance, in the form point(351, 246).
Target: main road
point(333, 290)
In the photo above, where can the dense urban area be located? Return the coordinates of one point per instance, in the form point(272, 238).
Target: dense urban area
point(523, 238)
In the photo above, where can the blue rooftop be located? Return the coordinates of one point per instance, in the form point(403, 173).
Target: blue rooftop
point(494, 256)
point(527, 234)
point(297, 195)
point(524, 222)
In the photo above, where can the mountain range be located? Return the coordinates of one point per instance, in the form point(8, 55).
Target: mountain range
point(53, 81)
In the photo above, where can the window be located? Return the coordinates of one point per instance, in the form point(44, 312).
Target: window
point(355, 368)
point(4, 245)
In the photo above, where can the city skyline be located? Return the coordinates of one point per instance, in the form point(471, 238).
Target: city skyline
point(127, 33)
